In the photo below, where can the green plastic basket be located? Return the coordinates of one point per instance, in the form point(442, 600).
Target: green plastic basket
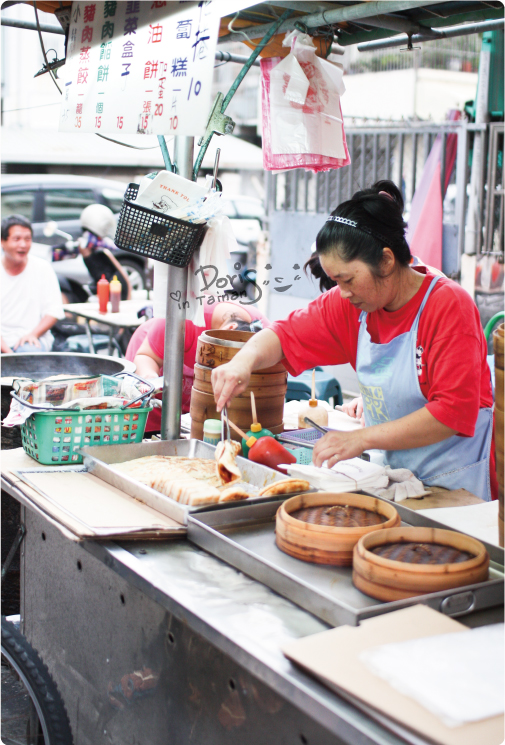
point(54, 437)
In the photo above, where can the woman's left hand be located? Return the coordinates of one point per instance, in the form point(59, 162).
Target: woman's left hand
point(337, 446)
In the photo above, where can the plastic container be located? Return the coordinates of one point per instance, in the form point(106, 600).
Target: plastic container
point(317, 413)
point(256, 431)
point(212, 431)
point(103, 292)
point(115, 294)
point(270, 453)
point(52, 437)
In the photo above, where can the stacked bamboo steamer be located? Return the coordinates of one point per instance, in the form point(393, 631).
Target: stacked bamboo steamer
point(217, 347)
point(405, 562)
point(323, 528)
point(498, 338)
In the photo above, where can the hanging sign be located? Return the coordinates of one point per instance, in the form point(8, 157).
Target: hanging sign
point(139, 67)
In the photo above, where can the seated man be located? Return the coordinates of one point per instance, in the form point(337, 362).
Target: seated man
point(31, 298)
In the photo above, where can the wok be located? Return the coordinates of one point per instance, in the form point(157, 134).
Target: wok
point(38, 366)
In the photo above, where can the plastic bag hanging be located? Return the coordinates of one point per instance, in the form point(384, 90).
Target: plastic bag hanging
point(301, 112)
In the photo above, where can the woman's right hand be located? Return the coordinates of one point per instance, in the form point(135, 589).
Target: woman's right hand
point(228, 381)
point(355, 409)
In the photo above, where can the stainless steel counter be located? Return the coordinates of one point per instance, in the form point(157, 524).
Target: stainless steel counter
point(154, 643)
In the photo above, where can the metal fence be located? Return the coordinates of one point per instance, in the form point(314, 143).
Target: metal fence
point(493, 220)
point(399, 154)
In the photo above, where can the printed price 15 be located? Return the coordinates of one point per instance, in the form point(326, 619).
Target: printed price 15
point(120, 122)
point(98, 122)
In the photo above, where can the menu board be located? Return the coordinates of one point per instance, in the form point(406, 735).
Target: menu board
point(139, 67)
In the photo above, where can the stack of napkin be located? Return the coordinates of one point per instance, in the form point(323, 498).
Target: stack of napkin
point(348, 475)
point(360, 475)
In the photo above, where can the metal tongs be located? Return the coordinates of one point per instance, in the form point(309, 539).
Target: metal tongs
point(225, 424)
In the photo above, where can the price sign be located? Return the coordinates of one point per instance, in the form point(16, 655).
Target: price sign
point(140, 67)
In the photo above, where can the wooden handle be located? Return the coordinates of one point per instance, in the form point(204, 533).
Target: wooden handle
point(253, 408)
point(314, 383)
point(237, 429)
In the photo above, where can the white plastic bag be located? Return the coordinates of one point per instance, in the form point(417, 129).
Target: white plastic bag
point(301, 112)
point(208, 265)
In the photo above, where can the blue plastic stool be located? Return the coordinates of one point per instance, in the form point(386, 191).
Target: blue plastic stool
point(80, 343)
point(300, 388)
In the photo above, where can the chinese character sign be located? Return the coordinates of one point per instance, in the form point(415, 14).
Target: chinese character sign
point(140, 67)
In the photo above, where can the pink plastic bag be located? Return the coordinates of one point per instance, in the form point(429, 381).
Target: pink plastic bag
point(301, 112)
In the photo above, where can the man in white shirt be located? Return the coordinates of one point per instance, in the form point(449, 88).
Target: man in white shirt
point(31, 297)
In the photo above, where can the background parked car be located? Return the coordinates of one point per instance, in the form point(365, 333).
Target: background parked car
point(44, 198)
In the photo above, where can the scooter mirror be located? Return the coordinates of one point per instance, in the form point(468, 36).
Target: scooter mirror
point(50, 229)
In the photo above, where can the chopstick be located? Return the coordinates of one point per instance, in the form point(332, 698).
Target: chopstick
point(237, 429)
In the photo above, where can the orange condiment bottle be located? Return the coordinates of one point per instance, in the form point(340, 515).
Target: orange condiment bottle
point(102, 290)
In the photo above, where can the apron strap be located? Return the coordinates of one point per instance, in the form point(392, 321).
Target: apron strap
point(428, 293)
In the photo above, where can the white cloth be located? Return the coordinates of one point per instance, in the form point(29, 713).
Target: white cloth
point(458, 677)
point(350, 475)
point(402, 485)
point(27, 298)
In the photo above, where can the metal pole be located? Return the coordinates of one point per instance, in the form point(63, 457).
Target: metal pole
point(447, 33)
point(473, 221)
point(175, 326)
point(353, 12)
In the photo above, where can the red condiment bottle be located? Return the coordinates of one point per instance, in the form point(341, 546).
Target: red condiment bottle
point(269, 452)
point(102, 290)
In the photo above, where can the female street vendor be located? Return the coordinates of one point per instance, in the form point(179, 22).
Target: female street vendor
point(147, 345)
point(414, 339)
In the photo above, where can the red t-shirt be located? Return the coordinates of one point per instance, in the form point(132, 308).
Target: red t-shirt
point(454, 375)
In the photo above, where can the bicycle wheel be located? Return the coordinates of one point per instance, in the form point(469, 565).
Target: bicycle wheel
point(33, 712)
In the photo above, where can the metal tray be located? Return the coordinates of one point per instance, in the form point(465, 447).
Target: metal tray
point(98, 460)
point(245, 538)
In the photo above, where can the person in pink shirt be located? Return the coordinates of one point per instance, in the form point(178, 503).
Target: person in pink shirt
point(147, 345)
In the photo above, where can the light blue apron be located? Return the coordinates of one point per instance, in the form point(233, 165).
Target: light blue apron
point(389, 384)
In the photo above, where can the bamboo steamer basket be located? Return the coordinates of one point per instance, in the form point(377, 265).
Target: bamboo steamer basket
point(203, 407)
point(263, 385)
point(217, 347)
point(498, 346)
point(499, 385)
point(324, 544)
point(388, 579)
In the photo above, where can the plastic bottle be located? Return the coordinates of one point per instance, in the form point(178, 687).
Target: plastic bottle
point(102, 290)
point(212, 431)
point(115, 294)
point(269, 452)
point(317, 413)
point(256, 431)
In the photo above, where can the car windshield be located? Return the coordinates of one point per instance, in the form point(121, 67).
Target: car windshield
point(113, 199)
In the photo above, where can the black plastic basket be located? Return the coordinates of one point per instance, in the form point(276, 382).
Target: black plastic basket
point(151, 234)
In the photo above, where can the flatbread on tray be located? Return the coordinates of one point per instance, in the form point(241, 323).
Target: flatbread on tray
point(227, 469)
point(234, 493)
point(286, 486)
point(199, 481)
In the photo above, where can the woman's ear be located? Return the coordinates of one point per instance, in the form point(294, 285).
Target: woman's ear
point(388, 261)
point(230, 326)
